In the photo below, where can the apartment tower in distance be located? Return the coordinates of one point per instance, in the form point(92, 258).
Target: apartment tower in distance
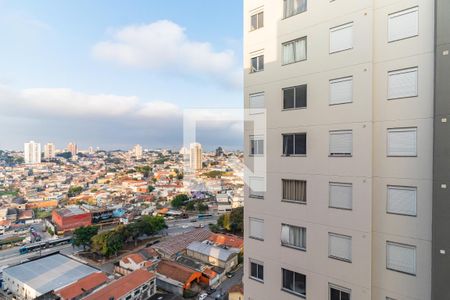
point(357, 99)
point(49, 151)
point(137, 151)
point(195, 156)
point(32, 152)
point(72, 148)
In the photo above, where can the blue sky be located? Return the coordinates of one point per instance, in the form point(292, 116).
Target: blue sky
point(116, 73)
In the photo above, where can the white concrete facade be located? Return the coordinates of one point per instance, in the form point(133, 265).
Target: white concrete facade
point(369, 169)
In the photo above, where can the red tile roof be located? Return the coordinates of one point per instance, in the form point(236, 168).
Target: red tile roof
point(231, 241)
point(135, 257)
point(175, 271)
point(123, 286)
point(79, 287)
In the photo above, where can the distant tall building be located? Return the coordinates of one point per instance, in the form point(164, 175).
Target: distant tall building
point(195, 158)
point(219, 151)
point(184, 151)
point(91, 150)
point(137, 151)
point(72, 148)
point(49, 151)
point(32, 153)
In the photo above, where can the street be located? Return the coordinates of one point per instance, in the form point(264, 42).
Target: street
point(227, 284)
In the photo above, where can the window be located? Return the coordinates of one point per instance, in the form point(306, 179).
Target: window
point(256, 187)
point(294, 282)
point(256, 228)
point(339, 293)
point(294, 51)
point(294, 190)
point(256, 145)
point(294, 144)
point(401, 258)
point(256, 101)
point(257, 64)
point(341, 195)
point(293, 236)
point(294, 7)
point(341, 143)
point(340, 247)
point(256, 270)
point(402, 200)
point(341, 90)
point(257, 21)
point(403, 24)
point(403, 83)
point(294, 97)
point(341, 38)
point(402, 142)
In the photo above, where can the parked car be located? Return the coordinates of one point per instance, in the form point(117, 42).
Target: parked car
point(203, 296)
point(210, 290)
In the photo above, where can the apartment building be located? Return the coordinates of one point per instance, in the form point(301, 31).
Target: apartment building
point(343, 201)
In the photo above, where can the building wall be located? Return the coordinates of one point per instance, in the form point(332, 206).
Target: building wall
point(369, 169)
point(71, 222)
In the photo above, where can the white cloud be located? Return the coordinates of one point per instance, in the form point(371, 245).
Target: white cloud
point(164, 46)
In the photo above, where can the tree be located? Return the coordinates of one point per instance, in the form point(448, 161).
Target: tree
point(190, 206)
point(179, 200)
point(82, 236)
point(108, 243)
point(74, 191)
point(150, 188)
point(237, 219)
point(202, 207)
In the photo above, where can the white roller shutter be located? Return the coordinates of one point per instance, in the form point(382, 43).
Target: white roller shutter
point(402, 200)
point(402, 142)
point(403, 24)
point(401, 257)
point(257, 186)
point(256, 228)
point(341, 142)
point(257, 101)
point(341, 195)
point(341, 38)
point(340, 246)
point(403, 83)
point(341, 90)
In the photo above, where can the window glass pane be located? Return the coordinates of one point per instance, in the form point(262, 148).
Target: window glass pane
point(288, 280)
point(254, 64)
point(288, 53)
point(254, 22)
point(261, 272)
point(300, 96)
point(300, 283)
point(261, 19)
point(300, 49)
point(254, 270)
point(345, 296)
point(288, 144)
point(335, 294)
point(288, 98)
point(261, 63)
point(300, 143)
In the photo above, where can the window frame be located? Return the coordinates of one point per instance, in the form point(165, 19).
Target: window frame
point(305, 38)
point(341, 131)
point(256, 110)
point(401, 245)
point(292, 200)
point(340, 289)
point(285, 16)
point(347, 184)
point(293, 292)
point(250, 228)
point(294, 88)
point(260, 66)
point(256, 146)
point(336, 28)
point(303, 234)
point(293, 146)
point(256, 14)
point(399, 13)
point(403, 71)
point(336, 80)
point(401, 129)
point(254, 196)
point(258, 264)
point(403, 188)
point(343, 236)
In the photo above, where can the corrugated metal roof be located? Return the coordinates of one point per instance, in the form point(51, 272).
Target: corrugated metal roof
point(49, 273)
point(210, 250)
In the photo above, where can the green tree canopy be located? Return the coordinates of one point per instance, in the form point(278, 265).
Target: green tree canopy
point(82, 236)
point(179, 200)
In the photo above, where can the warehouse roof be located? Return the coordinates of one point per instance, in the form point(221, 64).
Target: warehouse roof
point(180, 242)
point(49, 273)
point(211, 250)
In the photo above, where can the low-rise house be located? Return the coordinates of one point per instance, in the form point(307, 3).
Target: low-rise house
point(216, 256)
point(236, 292)
point(177, 245)
point(229, 241)
point(82, 287)
point(141, 284)
point(176, 278)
